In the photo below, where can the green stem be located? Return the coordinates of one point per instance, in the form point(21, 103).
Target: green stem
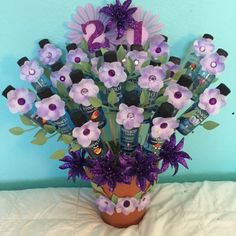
point(52, 135)
point(27, 130)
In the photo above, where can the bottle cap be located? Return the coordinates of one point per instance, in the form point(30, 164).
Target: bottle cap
point(76, 76)
point(208, 36)
point(166, 38)
point(57, 66)
point(131, 98)
point(222, 52)
point(71, 46)
point(124, 46)
point(165, 110)
point(224, 90)
point(45, 92)
point(185, 81)
point(22, 61)
point(43, 42)
point(7, 90)
point(78, 118)
point(175, 60)
point(155, 63)
point(136, 47)
point(98, 53)
point(110, 56)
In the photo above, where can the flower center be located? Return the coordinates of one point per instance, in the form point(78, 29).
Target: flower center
point(130, 115)
point(32, 72)
point(152, 78)
point(202, 49)
point(52, 107)
point(126, 203)
point(178, 95)
point(84, 91)
point(158, 50)
point(136, 62)
point(86, 132)
point(62, 78)
point(21, 101)
point(111, 73)
point(212, 101)
point(213, 64)
point(163, 125)
point(49, 55)
point(77, 60)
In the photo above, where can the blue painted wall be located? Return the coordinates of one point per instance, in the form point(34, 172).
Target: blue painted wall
point(23, 23)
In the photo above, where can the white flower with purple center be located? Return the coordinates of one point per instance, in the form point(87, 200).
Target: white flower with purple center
point(105, 205)
point(126, 205)
point(138, 57)
point(20, 100)
point(51, 108)
point(152, 78)
point(112, 74)
point(203, 46)
point(83, 91)
point(170, 66)
point(31, 71)
point(76, 56)
point(49, 54)
point(179, 96)
point(163, 128)
point(62, 76)
point(130, 117)
point(144, 202)
point(87, 133)
point(212, 101)
point(158, 47)
point(213, 64)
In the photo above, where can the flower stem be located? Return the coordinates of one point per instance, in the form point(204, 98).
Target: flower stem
point(27, 130)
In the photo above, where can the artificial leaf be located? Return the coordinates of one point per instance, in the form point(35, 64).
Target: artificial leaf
point(138, 195)
point(146, 63)
point(58, 155)
point(114, 199)
point(84, 45)
point(86, 66)
point(178, 74)
point(144, 98)
point(99, 63)
point(163, 59)
point(130, 66)
point(95, 102)
point(97, 188)
point(47, 73)
point(189, 114)
point(103, 50)
point(121, 53)
point(26, 121)
point(62, 91)
point(40, 133)
point(130, 86)
point(209, 125)
point(75, 147)
point(49, 128)
point(67, 139)
point(112, 98)
point(101, 87)
point(17, 130)
point(39, 140)
point(161, 100)
point(147, 115)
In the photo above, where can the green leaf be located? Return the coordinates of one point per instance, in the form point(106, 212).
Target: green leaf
point(130, 66)
point(189, 114)
point(95, 102)
point(40, 133)
point(101, 87)
point(215, 80)
point(58, 155)
point(62, 91)
point(121, 53)
point(114, 199)
point(146, 63)
point(49, 128)
point(178, 74)
point(130, 86)
point(97, 188)
point(86, 67)
point(39, 140)
point(144, 98)
point(67, 139)
point(17, 131)
point(138, 195)
point(84, 45)
point(161, 100)
point(75, 147)
point(26, 121)
point(147, 115)
point(47, 73)
point(163, 59)
point(209, 125)
point(103, 50)
point(112, 98)
point(100, 62)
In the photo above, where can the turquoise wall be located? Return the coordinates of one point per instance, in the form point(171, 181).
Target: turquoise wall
point(23, 23)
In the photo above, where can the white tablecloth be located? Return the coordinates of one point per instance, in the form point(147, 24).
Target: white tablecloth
point(189, 209)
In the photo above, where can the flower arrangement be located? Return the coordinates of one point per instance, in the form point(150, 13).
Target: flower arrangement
point(116, 99)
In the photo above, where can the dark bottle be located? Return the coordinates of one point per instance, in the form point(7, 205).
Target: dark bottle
point(187, 125)
point(64, 123)
point(151, 144)
point(97, 148)
point(204, 78)
point(76, 76)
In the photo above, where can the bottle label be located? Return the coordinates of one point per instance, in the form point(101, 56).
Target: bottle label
point(41, 83)
point(152, 96)
point(32, 115)
point(64, 124)
point(97, 149)
point(129, 139)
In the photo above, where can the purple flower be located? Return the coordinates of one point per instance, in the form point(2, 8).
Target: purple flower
point(20, 100)
point(62, 76)
point(126, 205)
point(31, 71)
point(171, 154)
point(151, 78)
point(163, 128)
point(76, 56)
point(130, 117)
point(87, 133)
point(120, 16)
point(107, 170)
point(144, 202)
point(49, 54)
point(203, 46)
point(51, 108)
point(105, 205)
point(158, 47)
point(170, 66)
point(213, 64)
point(212, 101)
point(76, 164)
point(112, 74)
point(179, 96)
point(83, 91)
point(138, 57)
point(143, 166)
